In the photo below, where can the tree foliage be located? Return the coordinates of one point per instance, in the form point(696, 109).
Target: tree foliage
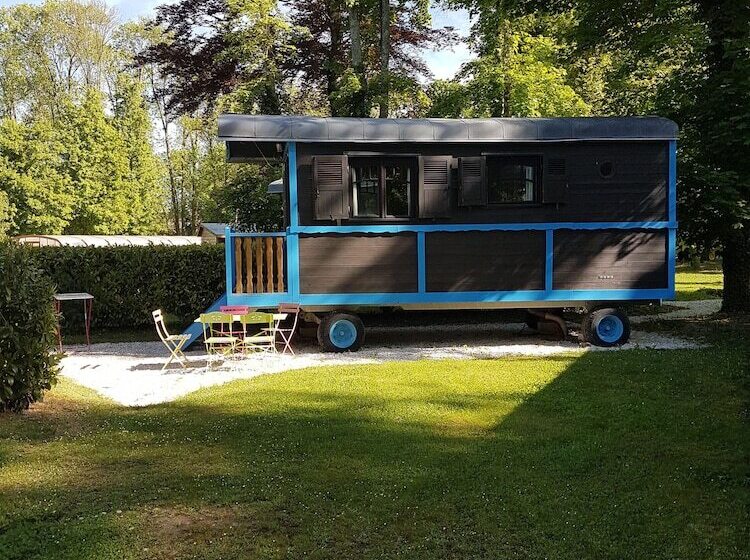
point(28, 362)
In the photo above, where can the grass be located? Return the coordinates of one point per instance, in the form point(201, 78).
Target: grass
point(638, 454)
point(706, 282)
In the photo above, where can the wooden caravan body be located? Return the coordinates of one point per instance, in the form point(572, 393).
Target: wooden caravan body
point(442, 213)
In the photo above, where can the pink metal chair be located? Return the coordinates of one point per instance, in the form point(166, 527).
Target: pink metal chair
point(286, 334)
point(234, 310)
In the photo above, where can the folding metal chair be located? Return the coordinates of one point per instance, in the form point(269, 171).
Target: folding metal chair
point(287, 333)
point(173, 342)
point(265, 340)
point(218, 343)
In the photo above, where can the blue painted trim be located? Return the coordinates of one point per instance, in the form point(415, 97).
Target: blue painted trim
point(292, 266)
point(520, 296)
point(195, 330)
point(673, 181)
point(291, 155)
point(550, 253)
point(671, 262)
point(258, 234)
point(421, 263)
point(411, 228)
point(229, 258)
point(259, 300)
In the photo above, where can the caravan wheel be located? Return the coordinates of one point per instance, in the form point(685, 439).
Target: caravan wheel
point(606, 327)
point(341, 332)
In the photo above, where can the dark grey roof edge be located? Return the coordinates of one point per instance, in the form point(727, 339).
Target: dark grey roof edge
point(282, 128)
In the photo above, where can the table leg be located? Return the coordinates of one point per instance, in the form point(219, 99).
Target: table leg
point(88, 308)
point(58, 330)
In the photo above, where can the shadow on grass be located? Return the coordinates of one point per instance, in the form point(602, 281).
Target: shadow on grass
point(632, 454)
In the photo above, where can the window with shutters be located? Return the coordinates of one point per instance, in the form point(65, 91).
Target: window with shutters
point(513, 179)
point(382, 187)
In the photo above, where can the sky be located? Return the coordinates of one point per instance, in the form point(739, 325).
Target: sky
point(443, 63)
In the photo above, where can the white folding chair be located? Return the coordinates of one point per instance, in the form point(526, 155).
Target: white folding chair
point(173, 342)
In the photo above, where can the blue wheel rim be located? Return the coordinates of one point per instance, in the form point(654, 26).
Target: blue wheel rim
point(343, 334)
point(610, 329)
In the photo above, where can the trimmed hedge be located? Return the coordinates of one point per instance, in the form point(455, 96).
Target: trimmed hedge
point(28, 361)
point(128, 283)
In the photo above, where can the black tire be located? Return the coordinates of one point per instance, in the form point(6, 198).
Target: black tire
point(606, 327)
point(341, 332)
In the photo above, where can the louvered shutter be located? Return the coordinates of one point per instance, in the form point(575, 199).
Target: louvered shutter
point(331, 187)
point(473, 181)
point(434, 184)
point(555, 184)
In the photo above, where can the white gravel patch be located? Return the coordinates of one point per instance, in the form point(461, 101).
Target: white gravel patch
point(688, 310)
point(130, 373)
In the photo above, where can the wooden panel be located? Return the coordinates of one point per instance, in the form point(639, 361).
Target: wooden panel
point(269, 263)
point(237, 266)
point(485, 261)
point(473, 176)
point(434, 197)
point(258, 265)
point(358, 263)
point(597, 260)
point(578, 193)
point(279, 264)
point(331, 183)
point(248, 249)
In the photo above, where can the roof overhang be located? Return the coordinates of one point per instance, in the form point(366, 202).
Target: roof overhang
point(262, 134)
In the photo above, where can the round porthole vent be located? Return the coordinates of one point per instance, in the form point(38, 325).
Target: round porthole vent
point(606, 169)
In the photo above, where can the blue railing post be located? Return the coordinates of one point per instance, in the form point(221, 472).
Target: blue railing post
point(550, 254)
point(229, 260)
point(421, 263)
point(292, 237)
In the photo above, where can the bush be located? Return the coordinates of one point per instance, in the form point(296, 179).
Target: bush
point(28, 362)
point(128, 283)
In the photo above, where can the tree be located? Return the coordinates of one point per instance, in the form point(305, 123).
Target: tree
point(143, 175)
point(219, 47)
point(521, 76)
point(33, 177)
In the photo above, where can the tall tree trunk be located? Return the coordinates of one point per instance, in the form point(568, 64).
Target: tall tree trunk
point(164, 120)
point(385, 55)
point(736, 266)
point(337, 54)
point(357, 62)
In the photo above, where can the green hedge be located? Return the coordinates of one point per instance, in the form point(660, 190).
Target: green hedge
point(128, 283)
point(28, 361)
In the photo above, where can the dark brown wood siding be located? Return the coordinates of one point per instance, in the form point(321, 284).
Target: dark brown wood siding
point(576, 191)
point(611, 259)
point(485, 261)
point(355, 263)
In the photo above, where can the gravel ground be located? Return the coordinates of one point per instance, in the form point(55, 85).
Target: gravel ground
point(688, 310)
point(130, 373)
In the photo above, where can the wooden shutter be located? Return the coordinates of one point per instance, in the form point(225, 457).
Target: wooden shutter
point(555, 182)
point(472, 172)
point(331, 187)
point(434, 184)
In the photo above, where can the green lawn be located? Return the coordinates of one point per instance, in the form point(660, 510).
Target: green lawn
point(704, 283)
point(631, 454)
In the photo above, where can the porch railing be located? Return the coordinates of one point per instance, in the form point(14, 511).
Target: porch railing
point(259, 263)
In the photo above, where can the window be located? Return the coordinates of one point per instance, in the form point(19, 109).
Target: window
point(513, 179)
point(382, 187)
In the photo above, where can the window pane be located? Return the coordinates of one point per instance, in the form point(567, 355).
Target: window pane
point(397, 180)
point(366, 182)
point(511, 180)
